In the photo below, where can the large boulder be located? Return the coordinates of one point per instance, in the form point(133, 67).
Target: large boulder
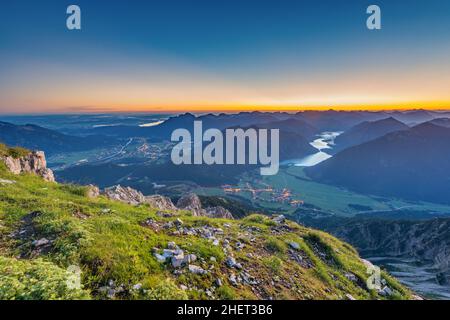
point(191, 202)
point(160, 202)
point(124, 194)
point(92, 191)
point(34, 162)
point(218, 212)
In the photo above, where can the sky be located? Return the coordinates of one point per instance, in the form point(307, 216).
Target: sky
point(224, 55)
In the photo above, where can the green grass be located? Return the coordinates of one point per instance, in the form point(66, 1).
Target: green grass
point(15, 152)
point(328, 198)
point(106, 240)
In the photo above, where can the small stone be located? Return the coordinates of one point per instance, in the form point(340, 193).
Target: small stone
point(4, 181)
point(350, 276)
point(172, 245)
point(218, 282)
point(238, 266)
point(294, 245)
point(159, 257)
point(213, 259)
point(178, 260)
point(178, 222)
point(183, 287)
point(40, 242)
point(233, 279)
point(215, 242)
point(349, 296)
point(385, 292)
point(190, 258)
point(137, 287)
point(196, 269)
point(230, 262)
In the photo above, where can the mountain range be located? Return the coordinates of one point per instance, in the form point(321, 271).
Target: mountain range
point(51, 141)
point(413, 164)
point(367, 131)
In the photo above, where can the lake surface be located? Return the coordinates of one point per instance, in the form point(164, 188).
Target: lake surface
point(324, 142)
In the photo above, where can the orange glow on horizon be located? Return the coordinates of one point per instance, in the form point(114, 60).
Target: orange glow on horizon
point(205, 108)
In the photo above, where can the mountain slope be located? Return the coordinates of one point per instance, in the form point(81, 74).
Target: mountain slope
point(139, 252)
point(36, 137)
point(367, 131)
point(412, 164)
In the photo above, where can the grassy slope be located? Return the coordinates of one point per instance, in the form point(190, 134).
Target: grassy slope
point(106, 240)
point(14, 152)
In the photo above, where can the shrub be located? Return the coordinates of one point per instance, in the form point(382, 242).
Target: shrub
point(166, 290)
point(225, 293)
point(15, 152)
point(274, 245)
point(36, 280)
point(274, 264)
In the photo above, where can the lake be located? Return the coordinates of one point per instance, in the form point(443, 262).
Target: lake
point(324, 141)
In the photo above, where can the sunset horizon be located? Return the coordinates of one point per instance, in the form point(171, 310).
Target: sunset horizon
point(266, 58)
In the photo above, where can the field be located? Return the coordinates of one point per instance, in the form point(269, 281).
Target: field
point(302, 193)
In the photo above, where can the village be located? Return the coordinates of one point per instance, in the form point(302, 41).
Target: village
point(265, 193)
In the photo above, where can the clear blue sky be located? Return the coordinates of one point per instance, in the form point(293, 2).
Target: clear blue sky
point(160, 53)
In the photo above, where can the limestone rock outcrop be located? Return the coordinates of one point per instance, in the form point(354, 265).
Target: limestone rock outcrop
point(34, 162)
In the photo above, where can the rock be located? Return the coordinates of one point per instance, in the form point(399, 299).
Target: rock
point(238, 266)
point(233, 279)
point(151, 224)
point(279, 219)
point(213, 259)
point(3, 181)
point(349, 296)
point(92, 191)
point(172, 245)
point(385, 292)
point(367, 263)
point(350, 276)
point(160, 202)
point(218, 212)
point(196, 269)
point(183, 287)
point(40, 242)
point(230, 262)
point(215, 242)
point(159, 257)
point(137, 287)
point(191, 202)
point(294, 245)
point(178, 222)
point(34, 162)
point(178, 260)
point(218, 282)
point(190, 258)
point(124, 194)
point(239, 246)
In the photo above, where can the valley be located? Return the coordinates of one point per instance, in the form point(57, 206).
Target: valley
point(140, 158)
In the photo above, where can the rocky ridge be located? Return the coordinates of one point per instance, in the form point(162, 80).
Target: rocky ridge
point(34, 162)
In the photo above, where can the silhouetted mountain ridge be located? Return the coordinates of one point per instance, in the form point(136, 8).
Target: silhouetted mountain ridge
point(412, 164)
